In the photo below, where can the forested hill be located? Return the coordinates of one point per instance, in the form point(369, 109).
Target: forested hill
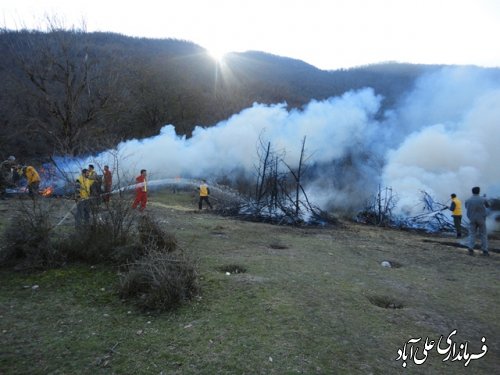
point(74, 92)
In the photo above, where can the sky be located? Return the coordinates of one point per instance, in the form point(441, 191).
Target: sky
point(329, 34)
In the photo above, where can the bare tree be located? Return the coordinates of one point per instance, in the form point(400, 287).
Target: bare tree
point(379, 209)
point(262, 171)
point(297, 175)
point(279, 192)
point(66, 88)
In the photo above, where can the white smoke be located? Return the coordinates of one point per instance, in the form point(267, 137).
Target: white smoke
point(331, 127)
point(455, 145)
point(441, 138)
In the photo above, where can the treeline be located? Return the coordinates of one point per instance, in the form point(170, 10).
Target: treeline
point(73, 92)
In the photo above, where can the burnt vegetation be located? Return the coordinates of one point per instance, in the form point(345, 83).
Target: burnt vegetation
point(379, 208)
point(434, 216)
point(276, 194)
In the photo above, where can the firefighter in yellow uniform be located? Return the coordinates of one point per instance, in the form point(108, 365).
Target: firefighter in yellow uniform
point(456, 213)
point(204, 193)
point(82, 197)
point(33, 179)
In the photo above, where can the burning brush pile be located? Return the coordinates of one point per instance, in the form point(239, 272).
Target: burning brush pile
point(278, 195)
point(434, 218)
point(52, 183)
point(276, 213)
point(276, 206)
point(47, 191)
point(379, 211)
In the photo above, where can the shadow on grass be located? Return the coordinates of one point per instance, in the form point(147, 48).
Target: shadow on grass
point(459, 245)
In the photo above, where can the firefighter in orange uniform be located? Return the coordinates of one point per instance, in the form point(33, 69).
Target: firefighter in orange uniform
point(141, 191)
point(108, 183)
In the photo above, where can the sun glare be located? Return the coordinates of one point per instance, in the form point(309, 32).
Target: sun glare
point(217, 54)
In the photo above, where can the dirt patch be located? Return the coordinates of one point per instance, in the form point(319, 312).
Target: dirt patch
point(176, 207)
point(385, 302)
point(277, 246)
point(395, 264)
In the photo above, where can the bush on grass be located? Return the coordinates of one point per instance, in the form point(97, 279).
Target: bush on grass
point(27, 240)
point(151, 235)
point(108, 237)
point(160, 281)
point(91, 244)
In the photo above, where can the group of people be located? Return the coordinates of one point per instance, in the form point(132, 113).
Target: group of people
point(89, 193)
point(11, 173)
point(476, 207)
point(141, 192)
point(91, 190)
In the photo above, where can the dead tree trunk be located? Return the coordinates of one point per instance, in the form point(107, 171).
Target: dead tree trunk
point(297, 178)
point(262, 175)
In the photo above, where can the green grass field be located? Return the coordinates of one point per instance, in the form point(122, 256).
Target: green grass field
point(308, 303)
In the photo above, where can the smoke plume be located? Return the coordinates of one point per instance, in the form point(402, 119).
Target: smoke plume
point(441, 138)
point(452, 127)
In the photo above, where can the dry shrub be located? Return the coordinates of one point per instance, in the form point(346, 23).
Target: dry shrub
point(119, 218)
point(88, 244)
point(107, 238)
point(95, 244)
point(127, 253)
point(151, 235)
point(27, 240)
point(379, 208)
point(159, 281)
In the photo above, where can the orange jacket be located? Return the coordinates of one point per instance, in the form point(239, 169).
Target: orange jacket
point(141, 184)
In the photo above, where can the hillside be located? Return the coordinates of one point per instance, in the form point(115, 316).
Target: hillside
point(73, 92)
point(312, 300)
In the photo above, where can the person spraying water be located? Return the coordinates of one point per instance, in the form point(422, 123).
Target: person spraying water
point(141, 191)
point(204, 194)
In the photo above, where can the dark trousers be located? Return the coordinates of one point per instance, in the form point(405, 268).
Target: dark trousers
point(33, 189)
point(457, 221)
point(201, 202)
point(82, 212)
